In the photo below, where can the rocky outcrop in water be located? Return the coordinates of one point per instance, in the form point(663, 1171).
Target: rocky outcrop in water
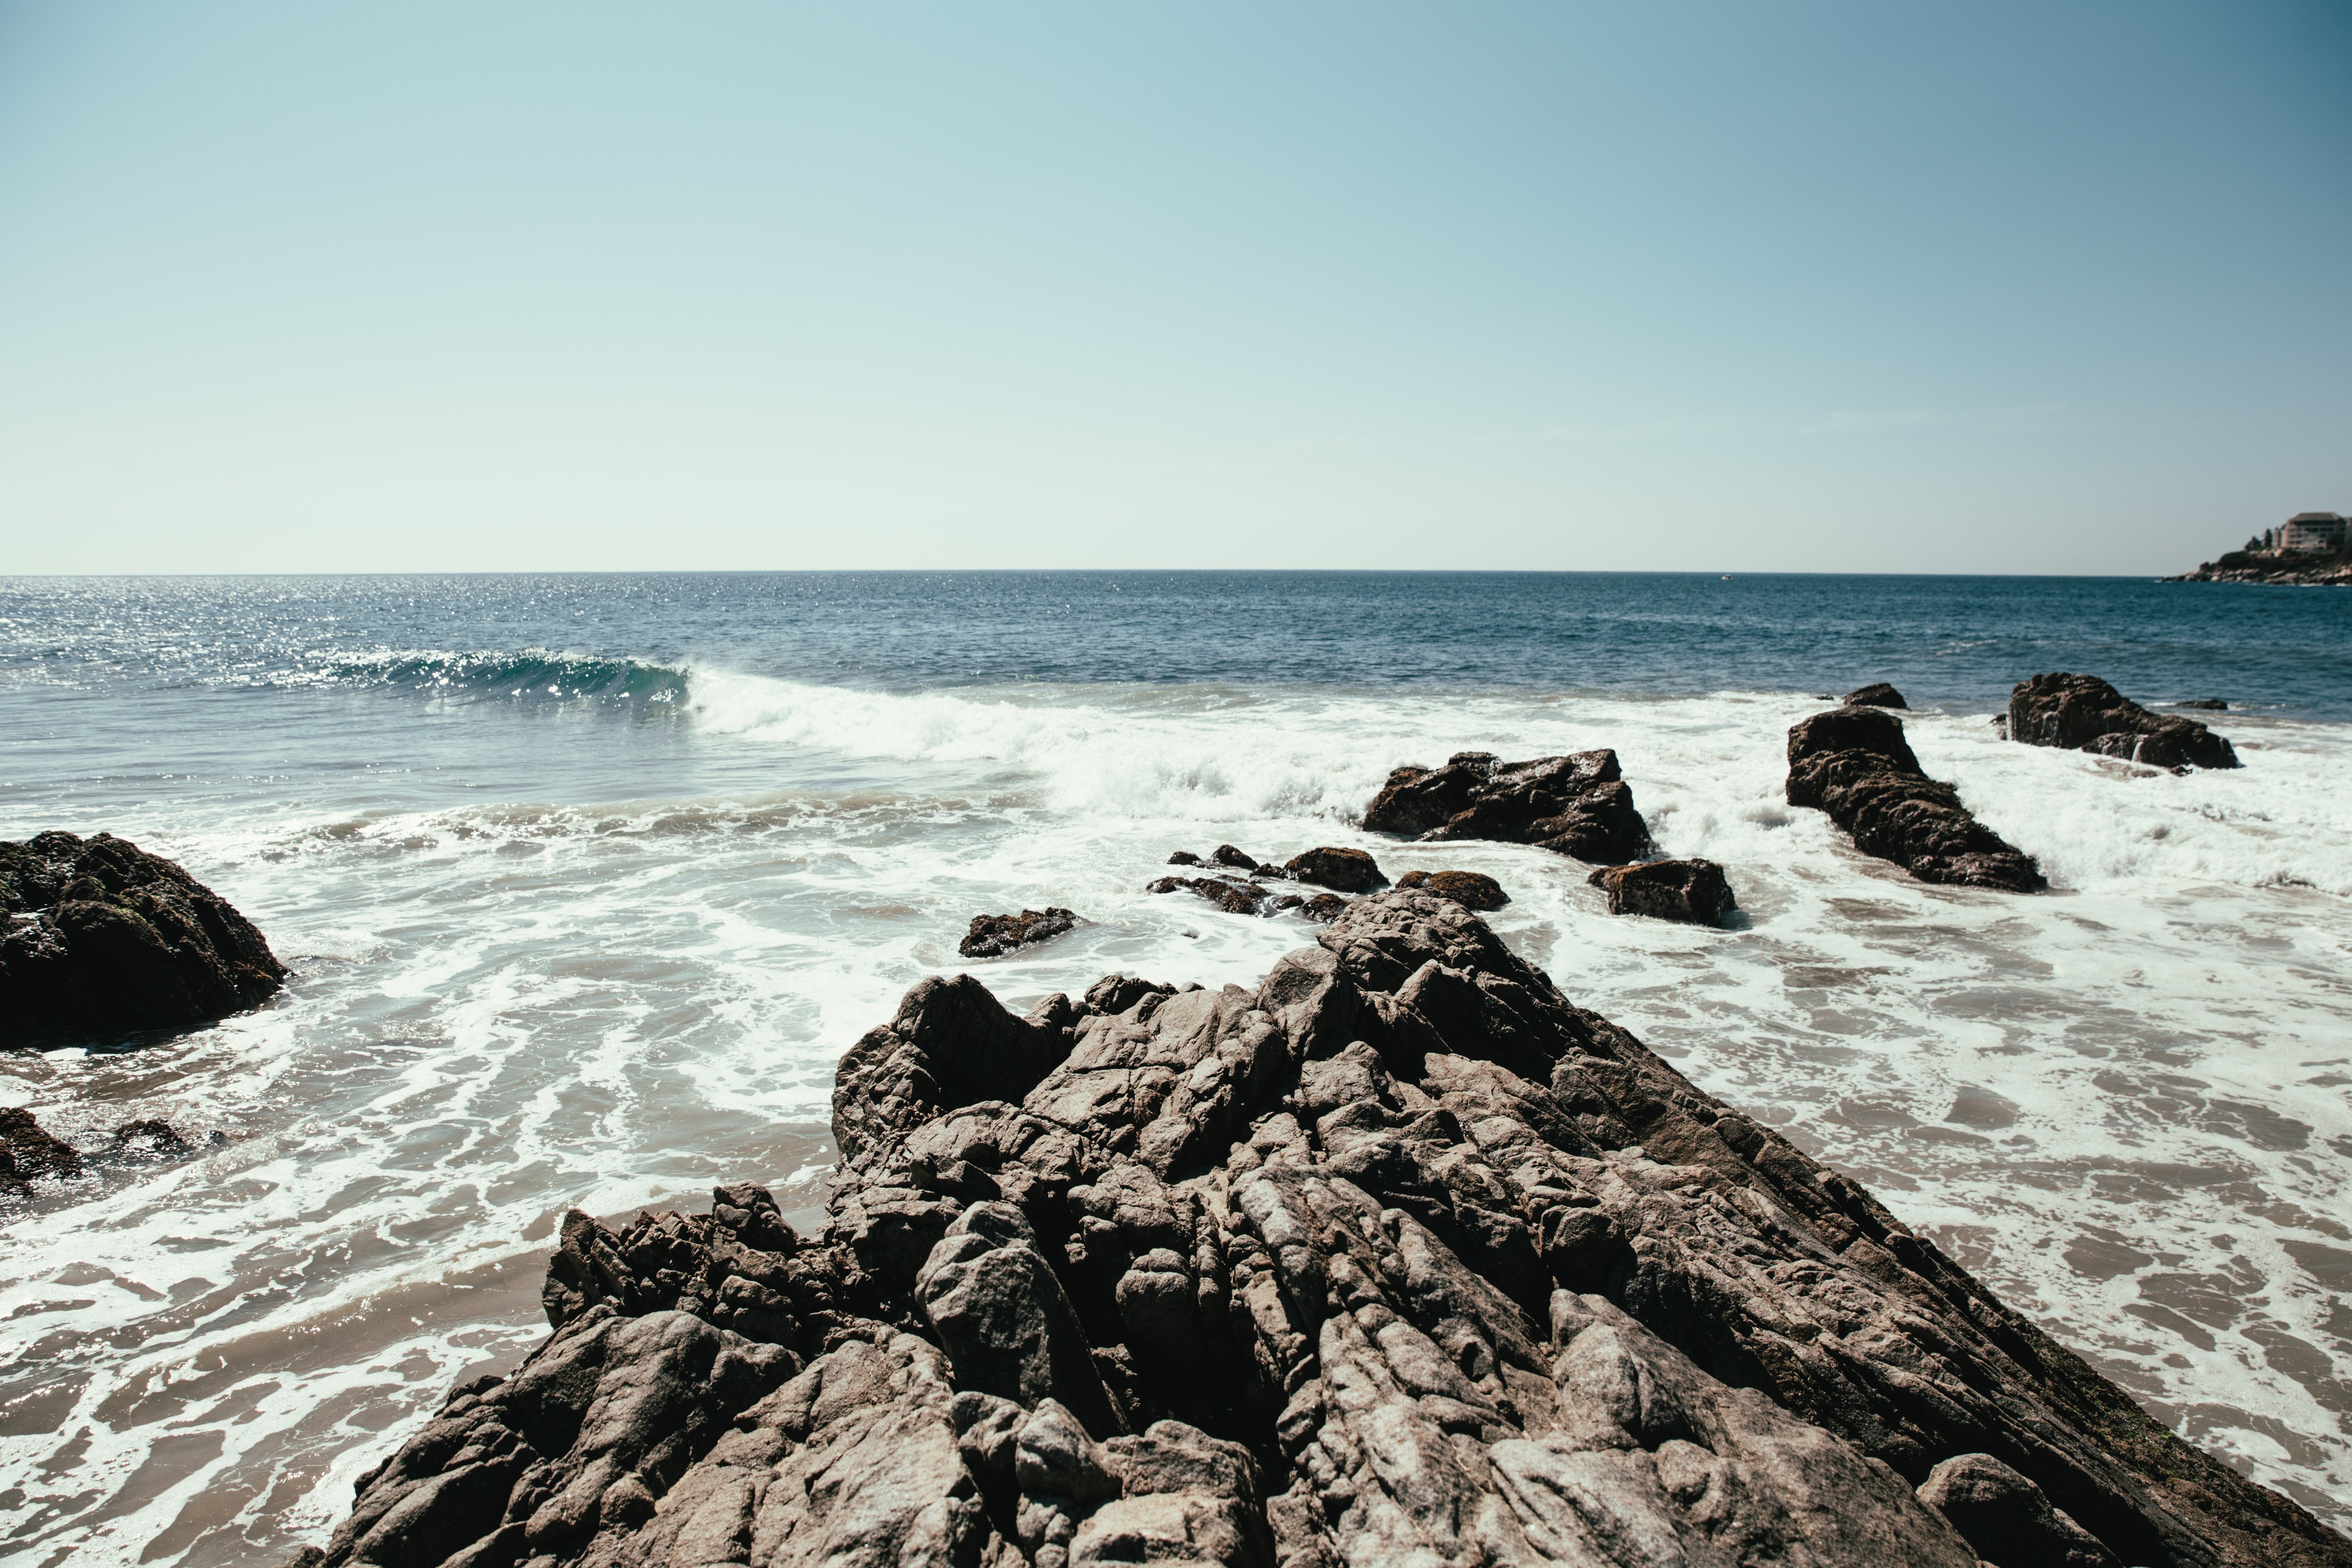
point(1233, 895)
point(99, 937)
point(1695, 892)
point(1471, 890)
point(2300, 568)
point(1576, 806)
point(2084, 713)
point(1876, 695)
point(993, 936)
point(27, 1149)
point(1345, 870)
point(1855, 764)
point(1400, 1257)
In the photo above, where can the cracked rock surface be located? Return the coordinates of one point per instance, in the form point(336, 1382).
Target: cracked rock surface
point(1399, 1257)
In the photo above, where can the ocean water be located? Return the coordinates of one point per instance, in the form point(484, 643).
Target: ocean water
point(587, 881)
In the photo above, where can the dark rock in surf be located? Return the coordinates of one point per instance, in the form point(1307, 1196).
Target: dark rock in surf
point(1693, 891)
point(1576, 806)
point(1183, 857)
point(1401, 1256)
point(99, 937)
point(1234, 897)
point(1347, 870)
point(1324, 908)
point(2204, 704)
point(28, 1150)
point(1853, 763)
point(1227, 856)
point(993, 936)
point(1877, 695)
point(2084, 713)
point(1471, 890)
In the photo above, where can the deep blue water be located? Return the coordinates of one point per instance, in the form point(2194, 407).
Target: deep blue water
point(1955, 640)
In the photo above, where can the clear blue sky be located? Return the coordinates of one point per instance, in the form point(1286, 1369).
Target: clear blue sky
point(1709, 287)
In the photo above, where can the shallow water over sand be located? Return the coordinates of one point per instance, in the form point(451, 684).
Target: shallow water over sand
point(599, 947)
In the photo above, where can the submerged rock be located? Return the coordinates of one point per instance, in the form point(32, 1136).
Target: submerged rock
point(1575, 805)
point(1235, 898)
point(149, 1139)
point(993, 936)
point(1877, 695)
point(99, 937)
point(1471, 890)
point(1401, 1256)
point(2084, 713)
point(1855, 764)
point(1694, 891)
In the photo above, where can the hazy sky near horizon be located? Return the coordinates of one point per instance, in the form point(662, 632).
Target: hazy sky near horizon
point(1743, 285)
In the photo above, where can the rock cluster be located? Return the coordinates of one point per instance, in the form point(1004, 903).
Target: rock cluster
point(29, 1150)
point(1400, 1257)
point(1576, 806)
point(98, 937)
point(993, 936)
point(1238, 890)
point(2084, 713)
point(1694, 891)
point(1855, 764)
point(1471, 890)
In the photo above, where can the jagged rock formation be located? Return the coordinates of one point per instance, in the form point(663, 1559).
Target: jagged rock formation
point(991, 936)
point(98, 937)
point(1576, 806)
point(1877, 695)
point(1471, 890)
point(2084, 713)
point(1401, 1258)
point(1694, 891)
point(1855, 764)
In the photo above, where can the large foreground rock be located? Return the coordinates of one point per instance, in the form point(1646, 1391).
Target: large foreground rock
point(2084, 713)
point(100, 937)
point(1855, 764)
point(1575, 804)
point(1399, 1257)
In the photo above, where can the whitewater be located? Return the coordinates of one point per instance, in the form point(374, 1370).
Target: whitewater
point(583, 902)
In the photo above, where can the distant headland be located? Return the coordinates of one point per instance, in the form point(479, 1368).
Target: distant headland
point(2313, 547)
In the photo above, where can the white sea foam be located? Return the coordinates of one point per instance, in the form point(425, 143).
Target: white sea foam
point(506, 1008)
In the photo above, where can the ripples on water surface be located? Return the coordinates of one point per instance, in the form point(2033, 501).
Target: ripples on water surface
point(587, 881)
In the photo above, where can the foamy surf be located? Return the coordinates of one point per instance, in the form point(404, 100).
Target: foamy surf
point(607, 955)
